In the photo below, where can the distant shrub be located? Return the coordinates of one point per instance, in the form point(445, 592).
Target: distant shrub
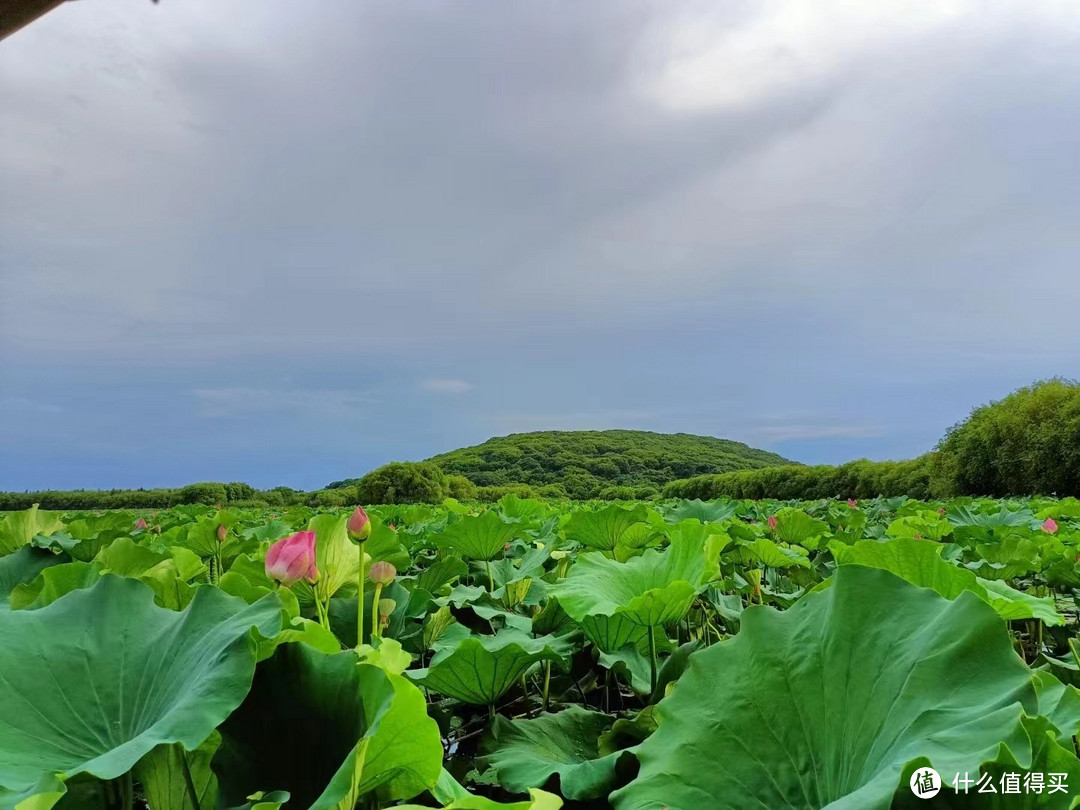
point(553, 492)
point(239, 491)
point(460, 487)
point(1025, 444)
point(252, 503)
point(206, 493)
point(328, 497)
point(492, 494)
point(856, 479)
point(623, 493)
point(403, 482)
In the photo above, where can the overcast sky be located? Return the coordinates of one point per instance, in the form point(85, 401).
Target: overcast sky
point(287, 242)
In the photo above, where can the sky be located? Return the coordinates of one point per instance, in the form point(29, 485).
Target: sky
point(285, 243)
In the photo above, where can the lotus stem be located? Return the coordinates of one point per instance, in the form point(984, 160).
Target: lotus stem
point(360, 602)
point(375, 611)
point(652, 659)
point(491, 582)
point(127, 792)
point(189, 783)
point(547, 683)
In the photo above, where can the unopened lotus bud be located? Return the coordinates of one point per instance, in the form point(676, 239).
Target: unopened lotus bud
point(292, 559)
point(386, 607)
point(358, 525)
point(773, 522)
point(222, 533)
point(140, 524)
point(382, 573)
point(854, 504)
point(1050, 526)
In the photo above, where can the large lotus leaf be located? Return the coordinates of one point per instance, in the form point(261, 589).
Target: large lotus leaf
point(164, 781)
point(602, 528)
point(704, 511)
point(303, 728)
point(440, 573)
point(614, 601)
point(54, 582)
point(17, 529)
point(920, 563)
point(96, 680)
point(1048, 756)
point(383, 544)
point(527, 753)
point(405, 756)
point(765, 552)
point(23, 567)
point(478, 537)
point(480, 669)
point(794, 526)
point(523, 509)
point(1060, 702)
point(455, 797)
point(827, 703)
point(923, 526)
point(202, 536)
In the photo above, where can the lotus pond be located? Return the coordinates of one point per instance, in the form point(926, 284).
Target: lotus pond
point(680, 654)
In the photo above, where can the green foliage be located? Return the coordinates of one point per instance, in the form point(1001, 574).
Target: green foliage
point(162, 654)
point(461, 488)
point(799, 696)
point(403, 482)
point(587, 462)
point(206, 493)
point(856, 479)
point(1026, 443)
point(101, 640)
point(238, 491)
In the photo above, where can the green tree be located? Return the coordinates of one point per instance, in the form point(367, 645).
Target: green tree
point(404, 482)
point(1025, 444)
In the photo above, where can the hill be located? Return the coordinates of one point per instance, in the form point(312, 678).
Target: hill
point(585, 462)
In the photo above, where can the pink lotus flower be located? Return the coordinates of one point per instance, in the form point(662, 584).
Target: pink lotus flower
point(1050, 526)
point(852, 503)
point(359, 525)
point(773, 523)
point(140, 524)
point(292, 559)
point(222, 533)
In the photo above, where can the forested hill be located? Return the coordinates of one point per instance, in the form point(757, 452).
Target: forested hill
point(586, 461)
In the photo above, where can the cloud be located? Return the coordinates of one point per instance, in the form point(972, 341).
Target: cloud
point(182, 186)
point(446, 386)
point(26, 404)
point(241, 401)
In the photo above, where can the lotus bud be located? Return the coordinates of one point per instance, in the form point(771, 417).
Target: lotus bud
point(386, 607)
point(854, 504)
point(1050, 526)
point(773, 523)
point(941, 510)
point(140, 524)
point(292, 559)
point(359, 525)
point(382, 573)
point(222, 533)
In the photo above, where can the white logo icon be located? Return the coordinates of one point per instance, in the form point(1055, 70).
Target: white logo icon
point(925, 783)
